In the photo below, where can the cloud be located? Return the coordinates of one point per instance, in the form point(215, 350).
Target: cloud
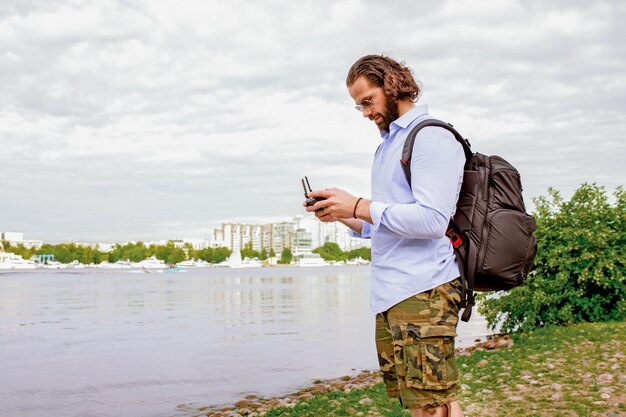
point(148, 119)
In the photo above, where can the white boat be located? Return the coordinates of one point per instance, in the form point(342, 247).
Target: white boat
point(117, 265)
point(54, 265)
point(251, 263)
point(311, 259)
point(235, 261)
point(193, 263)
point(150, 263)
point(357, 261)
point(76, 265)
point(10, 260)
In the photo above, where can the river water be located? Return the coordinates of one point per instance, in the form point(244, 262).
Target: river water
point(109, 343)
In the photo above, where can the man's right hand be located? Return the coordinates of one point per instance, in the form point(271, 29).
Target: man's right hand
point(319, 213)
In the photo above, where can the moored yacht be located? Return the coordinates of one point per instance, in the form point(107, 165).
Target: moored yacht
point(10, 260)
point(311, 259)
point(150, 263)
point(193, 263)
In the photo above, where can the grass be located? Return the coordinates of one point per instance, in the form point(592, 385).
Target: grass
point(578, 370)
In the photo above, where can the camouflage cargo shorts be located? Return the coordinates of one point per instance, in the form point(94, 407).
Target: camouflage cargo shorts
point(415, 344)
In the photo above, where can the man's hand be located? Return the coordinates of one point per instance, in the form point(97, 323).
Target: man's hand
point(338, 205)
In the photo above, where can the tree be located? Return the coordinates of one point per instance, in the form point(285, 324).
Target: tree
point(330, 252)
point(189, 251)
point(212, 255)
point(580, 268)
point(365, 253)
point(170, 254)
point(221, 254)
point(272, 253)
point(286, 256)
point(263, 254)
point(18, 249)
point(248, 252)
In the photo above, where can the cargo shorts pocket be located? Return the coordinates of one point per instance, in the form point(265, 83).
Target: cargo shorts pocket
point(430, 363)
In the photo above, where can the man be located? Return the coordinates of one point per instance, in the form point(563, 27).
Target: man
point(416, 290)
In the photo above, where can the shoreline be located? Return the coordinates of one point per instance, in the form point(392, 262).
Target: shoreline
point(253, 405)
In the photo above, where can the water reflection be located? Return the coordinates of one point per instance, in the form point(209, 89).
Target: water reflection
point(117, 343)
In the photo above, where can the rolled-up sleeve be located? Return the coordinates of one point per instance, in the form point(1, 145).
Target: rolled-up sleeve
point(436, 168)
point(366, 231)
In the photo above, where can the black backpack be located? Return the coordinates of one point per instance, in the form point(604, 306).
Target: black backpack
point(491, 232)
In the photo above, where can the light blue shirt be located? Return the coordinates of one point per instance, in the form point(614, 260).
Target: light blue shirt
point(410, 252)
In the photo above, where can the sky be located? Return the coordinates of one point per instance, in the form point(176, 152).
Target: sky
point(124, 120)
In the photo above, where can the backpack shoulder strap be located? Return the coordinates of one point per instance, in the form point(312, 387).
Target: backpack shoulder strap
point(407, 150)
point(460, 248)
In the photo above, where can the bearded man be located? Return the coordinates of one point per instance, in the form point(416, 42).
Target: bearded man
point(416, 289)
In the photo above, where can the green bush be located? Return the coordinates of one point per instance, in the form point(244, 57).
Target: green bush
point(579, 271)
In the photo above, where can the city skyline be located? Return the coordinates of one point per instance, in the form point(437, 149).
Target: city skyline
point(157, 120)
point(297, 232)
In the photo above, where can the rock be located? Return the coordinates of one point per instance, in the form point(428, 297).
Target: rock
point(604, 379)
point(503, 343)
point(243, 404)
point(622, 379)
point(306, 396)
point(516, 398)
point(611, 414)
point(345, 378)
point(482, 362)
point(351, 411)
point(317, 388)
point(527, 373)
point(606, 390)
point(533, 382)
point(366, 400)
point(556, 396)
point(556, 387)
point(605, 396)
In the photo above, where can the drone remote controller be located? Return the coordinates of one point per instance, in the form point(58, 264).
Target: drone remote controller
point(310, 200)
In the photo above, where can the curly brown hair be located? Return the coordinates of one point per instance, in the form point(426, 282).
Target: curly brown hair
point(393, 77)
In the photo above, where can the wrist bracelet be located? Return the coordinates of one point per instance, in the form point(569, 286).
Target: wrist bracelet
point(355, 205)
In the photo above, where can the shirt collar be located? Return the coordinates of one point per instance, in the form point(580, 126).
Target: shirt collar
point(405, 120)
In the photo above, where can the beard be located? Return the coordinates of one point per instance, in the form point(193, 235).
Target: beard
point(391, 113)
